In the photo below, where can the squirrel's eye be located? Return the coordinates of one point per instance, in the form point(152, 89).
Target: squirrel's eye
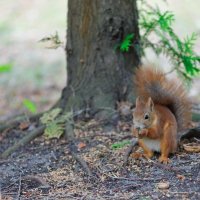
point(146, 116)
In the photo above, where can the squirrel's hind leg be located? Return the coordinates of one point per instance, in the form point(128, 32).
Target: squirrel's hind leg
point(168, 143)
point(165, 150)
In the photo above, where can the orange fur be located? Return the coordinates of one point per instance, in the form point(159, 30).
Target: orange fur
point(150, 82)
point(162, 109)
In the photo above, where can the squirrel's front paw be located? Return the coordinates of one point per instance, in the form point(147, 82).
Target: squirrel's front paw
point(148, 155)
point(164, 160)
point(143, 133)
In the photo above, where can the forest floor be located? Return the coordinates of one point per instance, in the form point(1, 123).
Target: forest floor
point(48, 169)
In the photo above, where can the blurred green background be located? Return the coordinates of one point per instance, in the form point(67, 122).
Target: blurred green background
point(39, 74)
point(36, 73)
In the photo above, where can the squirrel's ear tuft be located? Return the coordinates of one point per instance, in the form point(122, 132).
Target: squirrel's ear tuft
point(150, 104)
point(138, 102)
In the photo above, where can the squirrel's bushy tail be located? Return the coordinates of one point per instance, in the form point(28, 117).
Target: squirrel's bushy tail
point(150, 82)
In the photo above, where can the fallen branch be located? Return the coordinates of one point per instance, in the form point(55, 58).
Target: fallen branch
point(26, 139)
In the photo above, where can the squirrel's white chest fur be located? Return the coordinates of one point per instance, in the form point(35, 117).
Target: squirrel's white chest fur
point(152, 144)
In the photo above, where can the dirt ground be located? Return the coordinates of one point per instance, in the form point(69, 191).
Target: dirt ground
point(47, 169)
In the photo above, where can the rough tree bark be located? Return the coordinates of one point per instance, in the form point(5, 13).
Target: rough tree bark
point(98, 75)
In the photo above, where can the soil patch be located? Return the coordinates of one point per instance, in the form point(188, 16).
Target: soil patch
point(46, 169)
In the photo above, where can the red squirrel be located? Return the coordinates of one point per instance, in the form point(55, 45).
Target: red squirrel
point(162, 109)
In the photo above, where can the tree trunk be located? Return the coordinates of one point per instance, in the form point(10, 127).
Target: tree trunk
point(98, 74)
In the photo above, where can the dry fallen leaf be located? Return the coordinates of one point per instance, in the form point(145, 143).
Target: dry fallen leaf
point(180, 177)
point(192, 147)
point(163, 185)
point(81, 145)
point(24, 125)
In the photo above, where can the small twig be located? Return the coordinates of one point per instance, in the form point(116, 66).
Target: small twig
point(126, 137)
point(7, 187)
point(180, 192)
point(101, 122)
point(197, 139)
point(7, 193)
point(134, 179)
point(166, 167)
point(82, 163)
point(129, 151)
point(36, 179)
point(26, 139)
point(128, 186)
point(20, 185)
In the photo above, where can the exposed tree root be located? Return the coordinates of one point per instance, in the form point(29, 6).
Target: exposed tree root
point(26, 139)
point(5, 119)
point(190, 133)
point(81, 162)
point(13, 123)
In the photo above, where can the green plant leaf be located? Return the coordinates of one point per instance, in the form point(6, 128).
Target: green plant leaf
point(5, 68)
point(119, 145)
point(50, 116)
point(55, 122)
point(189, 43)
point(165, 20)
point(30, 106)
point(126, 43)
point(181, 53)
point(53, 130)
